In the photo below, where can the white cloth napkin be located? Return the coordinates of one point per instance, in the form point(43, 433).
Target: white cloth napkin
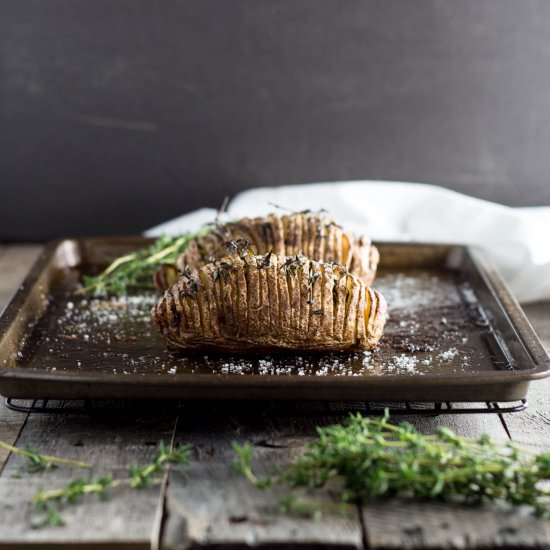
point(515, 240)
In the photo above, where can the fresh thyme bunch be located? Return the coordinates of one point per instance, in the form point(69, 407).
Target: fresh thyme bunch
point(135, 271)
point(372, 458)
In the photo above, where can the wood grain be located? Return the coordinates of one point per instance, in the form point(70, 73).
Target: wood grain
point(11, 424)
point(532, 427)
point(15, 262)
point(539, 315)
point(396, 524)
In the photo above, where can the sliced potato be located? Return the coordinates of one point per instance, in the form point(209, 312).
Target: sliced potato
point(270, 302)
point(313, 234)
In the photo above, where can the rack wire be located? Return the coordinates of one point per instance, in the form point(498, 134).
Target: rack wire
point(48, 406)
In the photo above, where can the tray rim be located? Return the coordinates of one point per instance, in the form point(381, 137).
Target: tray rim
point(493, 280)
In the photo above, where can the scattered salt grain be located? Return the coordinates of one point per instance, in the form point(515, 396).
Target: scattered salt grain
point(448, 355)
point(405, 362)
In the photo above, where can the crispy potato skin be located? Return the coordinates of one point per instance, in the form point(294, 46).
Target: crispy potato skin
point(247, 302)
point(315, 235)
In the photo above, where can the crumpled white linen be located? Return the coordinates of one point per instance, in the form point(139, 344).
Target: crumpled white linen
point(515, 240)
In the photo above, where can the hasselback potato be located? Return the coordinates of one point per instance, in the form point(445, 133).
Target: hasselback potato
point(314, 235)
point(268, 302)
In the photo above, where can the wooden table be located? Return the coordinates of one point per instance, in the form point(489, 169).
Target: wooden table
point(206, 504)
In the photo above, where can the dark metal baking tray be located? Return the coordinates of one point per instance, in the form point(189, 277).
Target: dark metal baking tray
point(455, 333)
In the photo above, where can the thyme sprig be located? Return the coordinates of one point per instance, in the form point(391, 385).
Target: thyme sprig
point(135, 271)
point(38, 462)
point(48, 502)
point(140, 475)
point(370, 458)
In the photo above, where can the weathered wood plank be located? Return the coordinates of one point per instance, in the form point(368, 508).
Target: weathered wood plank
point(539, 315)
point(210, 505)
point(396, 524)
point(111, 442)
point(15, 262)
point(532, 426)
point(11, 424)
point(123, 521)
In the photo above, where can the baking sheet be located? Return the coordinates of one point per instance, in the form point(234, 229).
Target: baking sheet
point(454, 333)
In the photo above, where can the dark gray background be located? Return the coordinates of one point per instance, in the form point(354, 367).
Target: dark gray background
point(118, 114)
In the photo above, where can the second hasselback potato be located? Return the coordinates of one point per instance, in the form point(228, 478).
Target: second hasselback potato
point(314, 235)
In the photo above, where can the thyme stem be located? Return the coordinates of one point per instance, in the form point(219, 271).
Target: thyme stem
point(27, 453)
point(84, 489)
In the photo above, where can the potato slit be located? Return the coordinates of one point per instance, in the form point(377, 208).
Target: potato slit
point(360, 318)
point(351, 311)
point(243, 297)
point(180, 329)
point(330, 244)
point(319, 240)
point(203, 300)
point(273, 297)
point(284, 300)
point(306, 239)
point(218, 292)
point(297, 235)
point(253, 286)
point(207, 275)
point(316, 306)
point(337, 245)
point(303, 282)
point(182, 294)
point(346, 251)
point(278, 235)
point(264, 301)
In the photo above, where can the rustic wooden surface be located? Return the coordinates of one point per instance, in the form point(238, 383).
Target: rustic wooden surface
point(205, 504)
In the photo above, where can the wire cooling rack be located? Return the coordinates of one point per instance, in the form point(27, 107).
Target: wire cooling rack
point(281, 407)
